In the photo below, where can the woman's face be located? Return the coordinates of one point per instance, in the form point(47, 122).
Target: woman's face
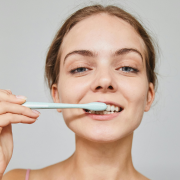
point(103, 77)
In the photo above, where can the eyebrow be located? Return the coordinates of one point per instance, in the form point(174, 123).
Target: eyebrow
point(89, 53)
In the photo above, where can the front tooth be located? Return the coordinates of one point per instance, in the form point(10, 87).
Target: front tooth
point(108, 108)
point(112, 108)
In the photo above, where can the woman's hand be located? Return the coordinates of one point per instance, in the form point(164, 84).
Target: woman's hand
point(11, 111)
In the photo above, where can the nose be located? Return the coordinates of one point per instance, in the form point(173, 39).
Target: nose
point(104, 81)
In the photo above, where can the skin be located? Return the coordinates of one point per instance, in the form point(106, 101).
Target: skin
point(103, 148)
point(103, 145)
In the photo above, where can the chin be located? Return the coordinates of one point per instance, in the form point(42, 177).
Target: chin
point(101, 132)
point(104, 136)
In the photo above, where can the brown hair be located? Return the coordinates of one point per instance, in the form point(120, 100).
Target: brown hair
point(53, 57)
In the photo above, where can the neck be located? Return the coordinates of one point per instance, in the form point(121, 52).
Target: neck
point(93, 160)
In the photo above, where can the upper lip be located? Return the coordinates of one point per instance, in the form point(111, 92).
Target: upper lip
point(111, 103)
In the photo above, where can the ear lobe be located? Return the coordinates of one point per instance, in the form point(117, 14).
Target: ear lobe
point(150, 97)
point(55, 95)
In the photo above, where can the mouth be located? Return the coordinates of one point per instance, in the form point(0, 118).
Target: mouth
point(112, 108)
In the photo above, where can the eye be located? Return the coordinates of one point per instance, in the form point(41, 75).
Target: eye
point(126, 69)
point(129, 69)
point(78, 70)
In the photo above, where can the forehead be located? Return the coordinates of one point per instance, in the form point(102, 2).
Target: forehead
point(102, 33)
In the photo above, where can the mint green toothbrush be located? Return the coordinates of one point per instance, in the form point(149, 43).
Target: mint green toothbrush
point(95, 106)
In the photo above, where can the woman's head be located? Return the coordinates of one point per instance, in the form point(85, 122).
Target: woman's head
point(103, 40)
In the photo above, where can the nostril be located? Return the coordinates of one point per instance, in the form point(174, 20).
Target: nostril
point(98, 87)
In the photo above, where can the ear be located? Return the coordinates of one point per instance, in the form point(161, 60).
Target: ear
point(150, 97)
point(55, 95)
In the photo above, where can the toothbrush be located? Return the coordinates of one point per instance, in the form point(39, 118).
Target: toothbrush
point(95, 106)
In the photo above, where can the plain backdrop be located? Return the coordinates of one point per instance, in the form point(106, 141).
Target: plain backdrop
point(26, 31)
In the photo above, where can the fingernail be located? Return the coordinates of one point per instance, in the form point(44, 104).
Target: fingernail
point(36, 112)
point(21, 97)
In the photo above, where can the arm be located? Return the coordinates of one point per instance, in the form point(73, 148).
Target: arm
point(11, 111)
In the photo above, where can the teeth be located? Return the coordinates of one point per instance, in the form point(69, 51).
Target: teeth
point(112, 108)
point(109, 110)
point(101, 112)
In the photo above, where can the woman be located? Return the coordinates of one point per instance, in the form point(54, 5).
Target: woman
point(99, 54)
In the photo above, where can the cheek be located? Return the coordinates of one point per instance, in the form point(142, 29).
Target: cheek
point(134, 91)
point(72, 91)
point(135, 94)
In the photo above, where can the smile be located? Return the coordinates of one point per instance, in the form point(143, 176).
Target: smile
point(111, 112)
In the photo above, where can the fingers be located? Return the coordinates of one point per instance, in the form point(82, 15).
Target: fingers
point(7, 96)
point(7, 91)
point(6, 107)
point(11, 110)
point(9, 118)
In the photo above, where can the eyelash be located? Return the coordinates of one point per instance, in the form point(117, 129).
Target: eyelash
point(134, 69)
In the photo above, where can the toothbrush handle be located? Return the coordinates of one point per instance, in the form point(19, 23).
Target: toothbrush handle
point(41, 105)
point(95, 106)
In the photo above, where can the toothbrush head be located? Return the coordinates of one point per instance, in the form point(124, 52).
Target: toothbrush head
point(96, 106)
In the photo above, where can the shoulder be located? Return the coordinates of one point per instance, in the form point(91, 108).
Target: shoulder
point(37, 174)
point(20, 174)
point(15, 174)
point(50, 172)
point(140, 176)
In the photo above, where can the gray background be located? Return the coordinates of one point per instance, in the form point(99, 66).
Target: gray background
point(26, 31)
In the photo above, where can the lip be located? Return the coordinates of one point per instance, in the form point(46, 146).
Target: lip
point(104, 117)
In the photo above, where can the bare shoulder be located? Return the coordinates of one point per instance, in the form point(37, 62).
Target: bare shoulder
point(46, 173)
point(141, 177)
point(15, 174)
point(20, 174)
